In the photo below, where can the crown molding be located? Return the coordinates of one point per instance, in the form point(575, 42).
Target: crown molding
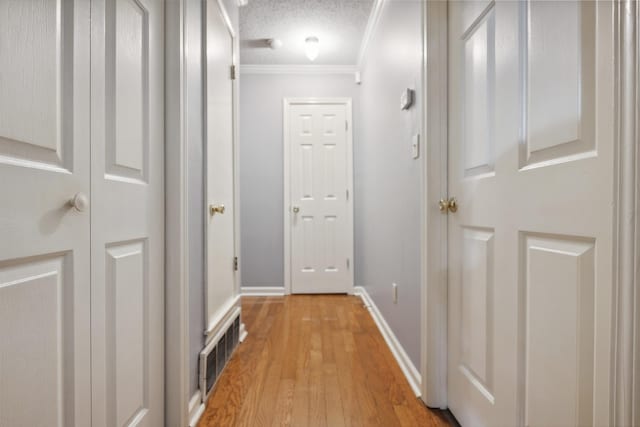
point(370, 30)
point(297, 69)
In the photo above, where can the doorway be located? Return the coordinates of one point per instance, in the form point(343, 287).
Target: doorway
point(318, 176)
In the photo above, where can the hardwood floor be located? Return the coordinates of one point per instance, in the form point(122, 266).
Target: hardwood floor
point(313, 361)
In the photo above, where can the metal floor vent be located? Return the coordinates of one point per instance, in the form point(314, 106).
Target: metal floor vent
point(215, 356)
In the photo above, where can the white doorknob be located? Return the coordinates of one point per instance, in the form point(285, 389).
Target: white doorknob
point(79, 202)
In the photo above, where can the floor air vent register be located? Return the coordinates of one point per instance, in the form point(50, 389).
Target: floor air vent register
point(215, 356)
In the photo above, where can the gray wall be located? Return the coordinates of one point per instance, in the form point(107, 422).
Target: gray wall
point(195, 146)
point(387, 246)
point(262, 169)
point(387, 241)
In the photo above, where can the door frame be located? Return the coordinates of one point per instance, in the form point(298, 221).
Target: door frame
point(433, 260)
point(625, 350)
point(626, 281)
point(286, 106)
point(177, 350)
point(176, 216)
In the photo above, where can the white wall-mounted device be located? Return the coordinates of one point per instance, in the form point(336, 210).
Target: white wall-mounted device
point(406, 99)
point(415, 146)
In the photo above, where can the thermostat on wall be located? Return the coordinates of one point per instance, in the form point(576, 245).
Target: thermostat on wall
point(406, 99)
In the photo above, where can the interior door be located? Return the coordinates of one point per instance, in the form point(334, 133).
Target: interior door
point(127, 221)
point(44, 240)
point(320, 181)
point(530, 246)
point(218, 46)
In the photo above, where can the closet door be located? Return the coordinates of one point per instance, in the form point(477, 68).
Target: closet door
point(127, 222)
point(44, 238)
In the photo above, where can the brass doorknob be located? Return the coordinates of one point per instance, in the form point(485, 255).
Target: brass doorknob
point(214, 209)
point(448, 205)
point(296, 209)
point(453, 205)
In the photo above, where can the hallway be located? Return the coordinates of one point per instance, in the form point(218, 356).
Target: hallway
point(313, 361)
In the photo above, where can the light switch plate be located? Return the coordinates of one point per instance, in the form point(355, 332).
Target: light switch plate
point(415, 146)
point(406, 99)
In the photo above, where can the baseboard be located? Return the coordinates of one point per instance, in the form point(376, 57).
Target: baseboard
point(196, 408)
point(221, 321)
point(406, 365)
point(243, 333)
point(261, 291)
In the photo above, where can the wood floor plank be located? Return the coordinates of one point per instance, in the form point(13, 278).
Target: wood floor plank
point(313, 360)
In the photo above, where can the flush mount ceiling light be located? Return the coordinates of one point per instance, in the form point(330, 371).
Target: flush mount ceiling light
point(311, 47)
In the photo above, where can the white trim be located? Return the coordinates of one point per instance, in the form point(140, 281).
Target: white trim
point(176, 243)
point(406, 365)
point(369, 31)
point(260, 291)
point(226, 320)
point(433, 313)
point(243, 332)
point(626, 331)
point(286, 104)
point(225, 18)
point(231, 310)
point(297, 69)
point(196, 408)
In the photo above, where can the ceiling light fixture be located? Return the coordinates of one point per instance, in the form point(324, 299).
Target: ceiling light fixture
point(311, 47)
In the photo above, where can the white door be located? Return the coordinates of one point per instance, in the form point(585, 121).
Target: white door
point(127, 215)
point(320, 180)
point(530, 247)
point(218, 46)
point(44, 241)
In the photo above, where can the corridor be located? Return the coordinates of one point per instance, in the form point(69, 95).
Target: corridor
point(314, 360)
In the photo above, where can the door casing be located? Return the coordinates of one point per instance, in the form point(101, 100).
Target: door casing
point(287, 103)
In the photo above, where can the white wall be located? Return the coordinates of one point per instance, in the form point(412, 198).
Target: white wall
point(387, 180)
point(262, 168)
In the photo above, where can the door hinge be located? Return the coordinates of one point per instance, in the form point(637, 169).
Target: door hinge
point(348, 263)
point(347, 194)
point(235, 263)
point(233, 72)
point(346, 125)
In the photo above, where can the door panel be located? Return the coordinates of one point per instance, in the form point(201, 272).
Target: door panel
point(127, 311)
point(559, 331)
point(127, 86)
point(44, 248)
point(321, 234)
point(221, 250)
point(127, 229)
point(530, 247)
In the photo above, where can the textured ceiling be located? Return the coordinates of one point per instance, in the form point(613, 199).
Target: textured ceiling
point(338, 24)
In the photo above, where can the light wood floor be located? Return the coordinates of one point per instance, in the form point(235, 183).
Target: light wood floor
point(313, 361)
